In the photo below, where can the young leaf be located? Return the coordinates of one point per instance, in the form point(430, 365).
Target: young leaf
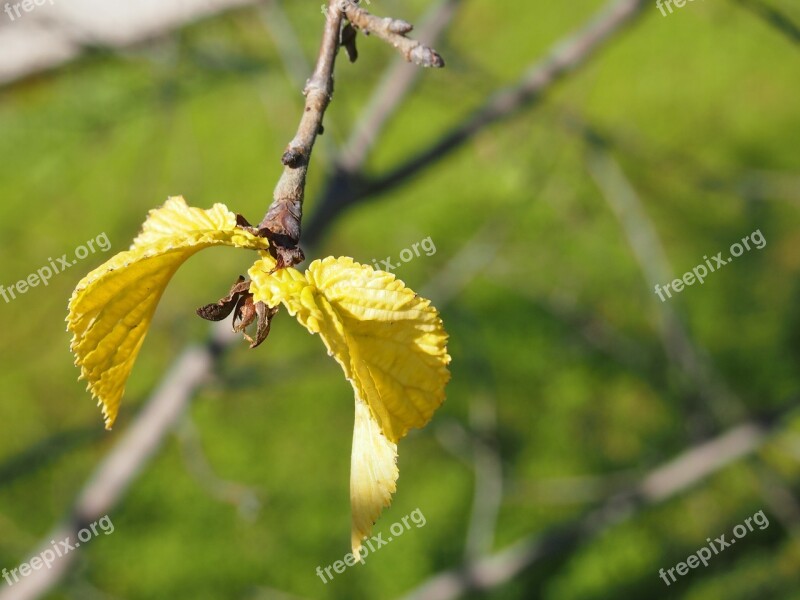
point(392, 347)
point(111, 308)
point(373, 474)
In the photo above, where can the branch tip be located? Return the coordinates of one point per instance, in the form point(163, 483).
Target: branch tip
point(393, 31)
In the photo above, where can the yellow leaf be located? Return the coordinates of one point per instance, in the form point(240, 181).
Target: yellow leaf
point(392, 347)
point(111, 308)
point(373, 474)
point(389, 341)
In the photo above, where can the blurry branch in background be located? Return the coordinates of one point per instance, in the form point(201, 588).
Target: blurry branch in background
point(774, 18)
point(47, 39)
point(791, 446)
point(648, 250)
point(592, 328)
point(646, 245)
point(488, 496)
point(577, 489)
point(748, 184)
point(763, 185)
point(476, 448)
point(661, 484)
point(455, 439)
point(564, 57)
point(474, 257)
point(118, 469)
point(244, 498)
point(287, 44)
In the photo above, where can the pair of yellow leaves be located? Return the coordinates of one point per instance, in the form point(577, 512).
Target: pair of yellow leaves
point(389, 341)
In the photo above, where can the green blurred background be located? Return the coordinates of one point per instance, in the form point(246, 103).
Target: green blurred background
point(561, 373)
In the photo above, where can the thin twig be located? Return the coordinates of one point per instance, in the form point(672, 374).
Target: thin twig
point(291, 53)
point(393, 32)
point(282, 221)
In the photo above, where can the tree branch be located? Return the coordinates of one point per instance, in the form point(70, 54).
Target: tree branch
point(393, 32)
point(281, 224)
